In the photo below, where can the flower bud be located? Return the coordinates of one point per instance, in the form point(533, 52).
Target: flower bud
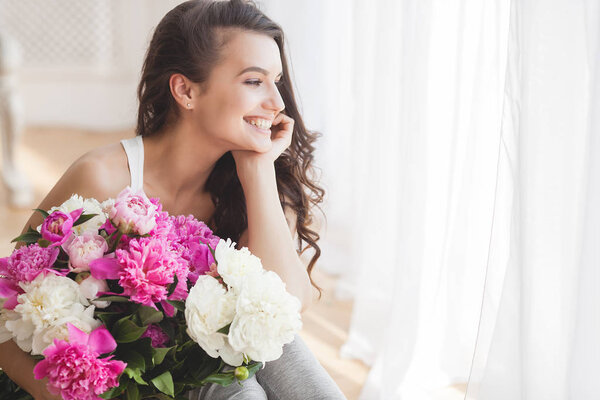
point(80, 277)
point(241, 373)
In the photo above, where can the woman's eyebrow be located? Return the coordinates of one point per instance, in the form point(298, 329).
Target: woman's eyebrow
point(258, 69)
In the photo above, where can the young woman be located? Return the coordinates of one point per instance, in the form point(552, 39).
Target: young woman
point(219, 136)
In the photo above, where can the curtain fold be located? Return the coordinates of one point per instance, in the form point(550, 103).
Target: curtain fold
point(543, 341)
point(461, 157)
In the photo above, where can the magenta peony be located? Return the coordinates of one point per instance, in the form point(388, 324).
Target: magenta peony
point(156, 335)
point(74, 369)
point(25, 263)
point(58, 226)
point(190, 236)
point(133, 212)
point(147, 268)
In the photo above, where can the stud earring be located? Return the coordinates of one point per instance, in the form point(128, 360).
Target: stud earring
point(188, 105)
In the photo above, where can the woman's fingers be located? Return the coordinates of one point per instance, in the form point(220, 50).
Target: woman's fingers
point(282, 129)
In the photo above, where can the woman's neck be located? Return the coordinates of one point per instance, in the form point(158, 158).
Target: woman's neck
point(179, 161)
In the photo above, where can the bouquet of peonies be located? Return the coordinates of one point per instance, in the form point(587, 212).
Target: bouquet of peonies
point(120, 298)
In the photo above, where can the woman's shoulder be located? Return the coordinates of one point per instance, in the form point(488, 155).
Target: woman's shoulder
point(100, 173)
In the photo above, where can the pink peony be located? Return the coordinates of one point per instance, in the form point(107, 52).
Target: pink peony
point(156, 335)
point(84, 249)
point(108, 227)
point(133, 212)
point(164, 224)
point(147, 268)
point(190, 236)
point(58, 226)
point(23, 265)
point(74, 369)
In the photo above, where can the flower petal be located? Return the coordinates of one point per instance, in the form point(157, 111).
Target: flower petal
point(168, 308)
point(8, 288)
point(76, 335)
point(101, 341)
point(41, 369)
point(105, 268)
point(76, 214)
point(11, 302)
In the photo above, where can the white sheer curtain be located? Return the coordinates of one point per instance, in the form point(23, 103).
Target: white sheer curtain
point(540, 330)
point(461, 160)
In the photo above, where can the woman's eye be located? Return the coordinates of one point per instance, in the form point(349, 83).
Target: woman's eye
point(258, 82)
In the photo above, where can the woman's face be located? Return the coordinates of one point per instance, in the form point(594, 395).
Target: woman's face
point(241, 98)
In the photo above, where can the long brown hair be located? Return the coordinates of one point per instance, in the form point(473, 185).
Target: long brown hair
point(186, 41)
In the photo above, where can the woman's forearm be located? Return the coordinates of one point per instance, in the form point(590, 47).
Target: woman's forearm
point(269, 236)
point(18, 365)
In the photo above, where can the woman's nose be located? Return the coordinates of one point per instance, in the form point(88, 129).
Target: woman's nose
point(274, 101)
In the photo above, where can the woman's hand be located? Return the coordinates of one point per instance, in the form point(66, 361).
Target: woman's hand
point(281, 138)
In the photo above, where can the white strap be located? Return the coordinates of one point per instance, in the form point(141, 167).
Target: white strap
point(134, 148)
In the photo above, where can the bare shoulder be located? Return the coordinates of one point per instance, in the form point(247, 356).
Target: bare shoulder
point(100, 173)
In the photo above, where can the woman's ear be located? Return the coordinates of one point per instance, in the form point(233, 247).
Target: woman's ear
point(181, 90)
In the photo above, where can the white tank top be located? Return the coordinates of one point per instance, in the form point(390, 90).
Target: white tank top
point(134, 148)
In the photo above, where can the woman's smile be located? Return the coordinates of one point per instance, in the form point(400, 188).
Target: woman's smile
point(259, 124)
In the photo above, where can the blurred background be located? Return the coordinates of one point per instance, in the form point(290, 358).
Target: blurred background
point(459, 151)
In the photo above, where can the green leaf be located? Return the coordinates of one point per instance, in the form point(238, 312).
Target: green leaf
point(173, 286)
point(44, 243)
point(136, 375)
point(108, 318)
point(143, 346)
point(223, 379)
point(253, 368)
point(133, 393)
point(149, 315)
point(164, 383)
point(84, 218)
point(159, 396)
point(28, 237)
point(225, 329)
point(134, 360)
point(159, 354)
point(43, 212)
point(212, 251)
point(126, 331)
point(116, 299)
point(180, 305)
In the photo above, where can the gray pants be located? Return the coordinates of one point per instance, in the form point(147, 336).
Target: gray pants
point(295, 375)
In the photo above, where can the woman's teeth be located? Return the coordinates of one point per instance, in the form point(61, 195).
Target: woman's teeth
point(260, 123)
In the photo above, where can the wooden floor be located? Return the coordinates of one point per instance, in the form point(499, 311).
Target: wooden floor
point(45, 153)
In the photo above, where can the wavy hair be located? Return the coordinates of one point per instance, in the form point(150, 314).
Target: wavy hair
point(187, 41)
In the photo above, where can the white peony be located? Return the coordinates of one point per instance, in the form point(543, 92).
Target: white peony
point(49, 302)
point(90, 206)
point(267, 317)
point(89, 288)
point(208, 308)
point(234, 265)
point(5, 315)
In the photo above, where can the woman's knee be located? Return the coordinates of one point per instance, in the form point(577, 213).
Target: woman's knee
point(297, 374)
point(249, 389)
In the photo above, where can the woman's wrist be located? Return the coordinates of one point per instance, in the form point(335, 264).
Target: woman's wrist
point(252, 172)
